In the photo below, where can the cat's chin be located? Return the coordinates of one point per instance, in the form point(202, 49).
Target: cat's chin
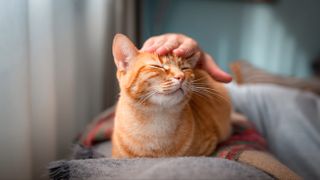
point(168, 99)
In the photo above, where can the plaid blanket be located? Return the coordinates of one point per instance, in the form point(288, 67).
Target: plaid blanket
point(245, 145)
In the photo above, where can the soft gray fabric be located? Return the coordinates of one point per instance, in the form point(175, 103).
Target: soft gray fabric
point(104, 148)
point(154, 168)
point(290, 121)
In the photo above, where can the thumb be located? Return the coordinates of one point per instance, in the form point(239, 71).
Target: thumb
point(208, 64)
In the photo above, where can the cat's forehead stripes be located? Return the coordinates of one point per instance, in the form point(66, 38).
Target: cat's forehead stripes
point(171, 60)
point(166, 61)
point(148, 58)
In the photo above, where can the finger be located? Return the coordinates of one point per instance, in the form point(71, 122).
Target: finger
point(148, 44)
point(213, 69)
point(168, 46)
point(186, 49)
point(157, 44)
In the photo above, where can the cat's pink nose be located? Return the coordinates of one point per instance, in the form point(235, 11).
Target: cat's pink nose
point(179, 77)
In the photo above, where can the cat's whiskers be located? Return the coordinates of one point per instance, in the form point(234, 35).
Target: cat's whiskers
point(147, 97)
point(200, 82)
point(166, 89)
point(198, 93)
point(167, 86)
point(215, 94)
point(203, 90)
point(167, 81)
point(144, 98)
point(199, 79)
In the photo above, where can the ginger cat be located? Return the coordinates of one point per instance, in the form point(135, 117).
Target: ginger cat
point(167, 107)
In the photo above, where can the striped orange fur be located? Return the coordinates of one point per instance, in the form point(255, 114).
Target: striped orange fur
point(167, 107)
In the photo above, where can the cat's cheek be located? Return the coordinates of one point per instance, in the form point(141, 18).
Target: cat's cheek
point(189, 75)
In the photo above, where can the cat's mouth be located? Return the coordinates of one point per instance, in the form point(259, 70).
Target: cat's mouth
point(169, 97)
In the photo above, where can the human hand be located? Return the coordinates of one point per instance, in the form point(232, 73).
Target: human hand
point(184, 46)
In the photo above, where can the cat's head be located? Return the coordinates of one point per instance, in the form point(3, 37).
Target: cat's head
point(149, 79)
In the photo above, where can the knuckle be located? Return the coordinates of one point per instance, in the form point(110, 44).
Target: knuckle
point(169, 45)
point(174, 36)
point(182, 36)
point(195, 43)
point(183, 49)
point(156, 38)
point(159, 41)
point(173, 42)
point(150, 40)
point(190, 41)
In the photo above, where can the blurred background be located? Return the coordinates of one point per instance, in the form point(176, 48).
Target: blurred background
point(57, 71)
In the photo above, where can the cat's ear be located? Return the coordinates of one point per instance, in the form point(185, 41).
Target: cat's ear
point(193, 60)
point(123, 51)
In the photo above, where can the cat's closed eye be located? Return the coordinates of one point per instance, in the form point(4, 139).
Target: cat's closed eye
point(156, 66)
point(185, 68)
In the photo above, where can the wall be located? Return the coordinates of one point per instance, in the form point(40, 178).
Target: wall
point(280, 37)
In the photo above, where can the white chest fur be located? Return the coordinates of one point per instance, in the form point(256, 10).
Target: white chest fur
point(159, 127)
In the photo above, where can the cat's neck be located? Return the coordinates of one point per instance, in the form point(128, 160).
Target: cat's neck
point(154, 119)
